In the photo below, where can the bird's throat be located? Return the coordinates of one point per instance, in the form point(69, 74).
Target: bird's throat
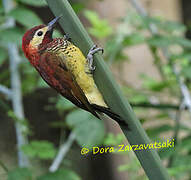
point(32, 55)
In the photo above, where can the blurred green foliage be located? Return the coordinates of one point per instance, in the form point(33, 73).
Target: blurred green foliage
point(40, 149)
point(60, 175)
point(89, 131)
point(111, 139)
point(40, 3)
point(131, 32)
point(26, 174)
point(99, 27)
point(29, 19)
point(20, 174)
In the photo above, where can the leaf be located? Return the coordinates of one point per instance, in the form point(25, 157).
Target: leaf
point(165, 25)
point(155, 131)
point(159, 41)
point(121, 56)
point(186, 71)
point(177, 171)
point(40, 149)
point(153, 84)
point(29, 77)
point(162, 115)
point(58, 124)
point(90, 133)
point(133, 39)
point(3, 55)
point(63, 104)
point(171, 26)
point(112, 139)
point(25, 17)
point(13, 35)
point(124, 167)
point(185, 143)
point(61, 174)
point(114, 49)
point(88, 129)
point(138, 98)
point(164, 41)
point(78, 7)
point(181, 164)
point(165, 153)
point(77, 117)
point(183, 56)
point(100, 27)
point(20, 174)
point(36, 3)
point(41, 83)
point(182, 41)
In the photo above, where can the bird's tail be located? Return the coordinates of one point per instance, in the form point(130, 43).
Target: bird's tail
point(111, 114)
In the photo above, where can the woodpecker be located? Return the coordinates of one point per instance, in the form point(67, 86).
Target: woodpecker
point(64, 68)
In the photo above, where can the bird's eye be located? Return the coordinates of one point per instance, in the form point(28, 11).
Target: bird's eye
point(40, 33)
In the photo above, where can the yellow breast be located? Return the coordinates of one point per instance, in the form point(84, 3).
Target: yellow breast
point(77, 64)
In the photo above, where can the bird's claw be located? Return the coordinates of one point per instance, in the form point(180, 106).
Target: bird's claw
point(67, 37)
point(92, 68)
point(91, 52)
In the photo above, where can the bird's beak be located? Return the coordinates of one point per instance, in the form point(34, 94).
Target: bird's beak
point(53, 23)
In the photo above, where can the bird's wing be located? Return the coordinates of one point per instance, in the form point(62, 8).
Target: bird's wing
point(63, 80)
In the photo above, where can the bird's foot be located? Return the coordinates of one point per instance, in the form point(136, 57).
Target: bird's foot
point(91, 52)
point(67, 37)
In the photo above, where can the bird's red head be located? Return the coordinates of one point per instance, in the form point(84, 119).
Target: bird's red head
point(37, 37)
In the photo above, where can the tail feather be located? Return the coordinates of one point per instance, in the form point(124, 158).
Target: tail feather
point(111, 114)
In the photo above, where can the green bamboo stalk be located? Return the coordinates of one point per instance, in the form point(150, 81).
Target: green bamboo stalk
point(149, 159)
